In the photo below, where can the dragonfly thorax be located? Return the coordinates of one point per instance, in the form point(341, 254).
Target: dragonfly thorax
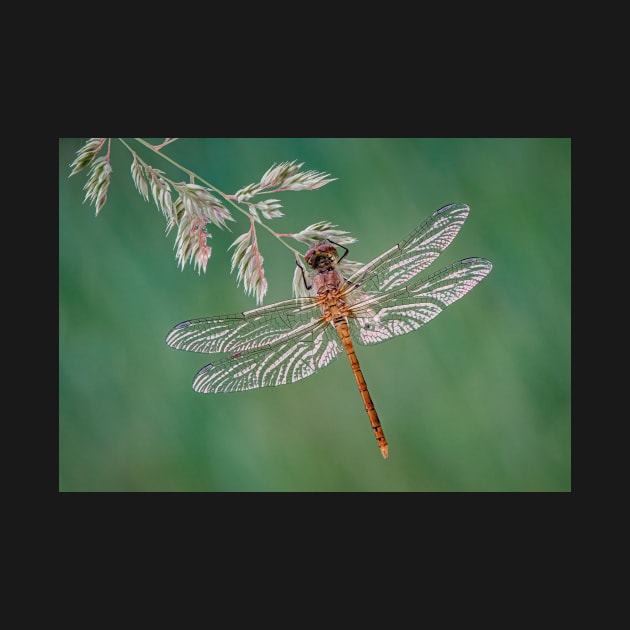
point(321, 257)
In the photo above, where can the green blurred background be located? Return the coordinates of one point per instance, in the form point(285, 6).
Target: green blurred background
point(478, 400)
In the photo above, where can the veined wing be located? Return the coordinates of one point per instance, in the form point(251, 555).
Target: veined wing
point(402, 262)
point(244, 331)
point(409, 307)
point(295, 357)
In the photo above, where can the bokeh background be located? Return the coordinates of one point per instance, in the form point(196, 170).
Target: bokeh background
point(476, 401)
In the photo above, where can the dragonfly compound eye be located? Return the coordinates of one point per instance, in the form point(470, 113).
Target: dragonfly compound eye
point(321, 256)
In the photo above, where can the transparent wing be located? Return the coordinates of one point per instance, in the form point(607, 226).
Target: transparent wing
point(295, 357)
point(245, 331)
point(402, 262)
point(407, 308)
point(288, 341)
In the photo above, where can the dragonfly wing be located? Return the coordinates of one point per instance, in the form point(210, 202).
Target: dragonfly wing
point(402, 262)
point(295, 357)
point(408, 308)
point(244, 331)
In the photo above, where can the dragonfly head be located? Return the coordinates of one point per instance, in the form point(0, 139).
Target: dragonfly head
point(321, 256)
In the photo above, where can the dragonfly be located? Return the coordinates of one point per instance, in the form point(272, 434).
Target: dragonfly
point(290, 340)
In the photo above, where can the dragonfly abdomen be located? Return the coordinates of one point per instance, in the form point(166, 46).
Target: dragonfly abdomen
point(341, 325)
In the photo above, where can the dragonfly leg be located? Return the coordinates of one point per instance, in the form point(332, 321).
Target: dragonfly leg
point(297, 262)
point(342, 247)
